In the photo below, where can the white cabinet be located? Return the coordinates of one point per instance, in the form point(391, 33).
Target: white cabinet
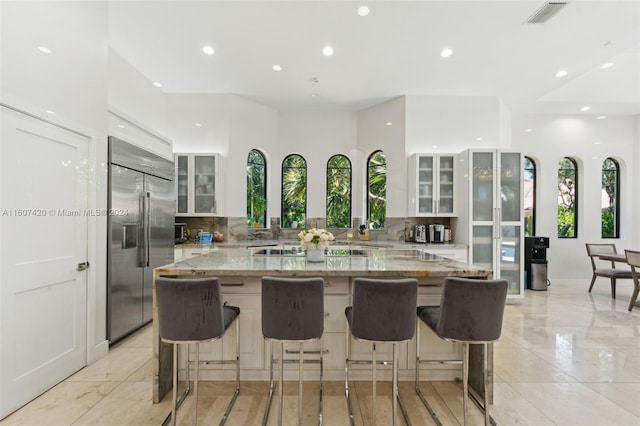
point(431, 185)
point(198, 186)
point(491, 220)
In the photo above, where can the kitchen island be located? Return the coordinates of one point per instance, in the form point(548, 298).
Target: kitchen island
point(240, 271)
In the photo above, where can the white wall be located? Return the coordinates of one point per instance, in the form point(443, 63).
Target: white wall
point(374, 134)
point(72, 82)
point(453, 123)
point(231, 126)
point(134, 95)
point(315, 135)
point(554, 137)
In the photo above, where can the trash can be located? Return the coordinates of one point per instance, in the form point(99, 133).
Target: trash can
point(535, 262)
point(538, 275)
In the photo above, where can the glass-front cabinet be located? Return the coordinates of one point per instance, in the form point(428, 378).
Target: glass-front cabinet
point(431, 185)
point(493, 222)
point(197, 184)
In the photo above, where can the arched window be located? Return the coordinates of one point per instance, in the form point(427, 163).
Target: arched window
point(294, 191)
point(529, 197)
point(339, 192)
point(610, 194)
point(567, 198)
point(256, 189)
point(376, 189)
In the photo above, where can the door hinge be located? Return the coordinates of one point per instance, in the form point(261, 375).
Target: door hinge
point(82, 266)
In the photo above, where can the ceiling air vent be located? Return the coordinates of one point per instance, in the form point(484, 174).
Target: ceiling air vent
point(545, 13)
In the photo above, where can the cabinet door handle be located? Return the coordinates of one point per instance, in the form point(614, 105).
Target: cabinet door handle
point(238, 284)
point(289, 351)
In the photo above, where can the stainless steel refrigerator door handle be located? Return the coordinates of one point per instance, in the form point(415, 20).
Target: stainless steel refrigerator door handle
point(141, 234)
point(147, 226)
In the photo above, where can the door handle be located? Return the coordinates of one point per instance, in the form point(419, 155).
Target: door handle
point(83, 266)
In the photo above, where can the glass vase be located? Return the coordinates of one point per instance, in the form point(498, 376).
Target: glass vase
point(315, 255)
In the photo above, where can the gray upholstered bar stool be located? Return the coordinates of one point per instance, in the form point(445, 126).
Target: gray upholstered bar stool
point(470, 312)
point(192, 311)
point(381, 311)
point(292, 311)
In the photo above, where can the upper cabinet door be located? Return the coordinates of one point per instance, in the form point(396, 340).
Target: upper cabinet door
point(197, 184)
point(445, 203)
point(511, 186)
point(483, 184)
point(182, 184)
point(431, 185)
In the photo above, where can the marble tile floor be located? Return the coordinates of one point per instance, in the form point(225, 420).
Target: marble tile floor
point(566, 357)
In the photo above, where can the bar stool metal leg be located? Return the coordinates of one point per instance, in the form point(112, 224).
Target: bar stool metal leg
point(346, 376)
point(485, 376)
point(373, 392)
point(271, 386)
point(280, 390)
point(237, 362)
point(174, 393)
point(301, 355)
point(195, 385)
point(320, 411)
point(432, 413)
point(465, 379)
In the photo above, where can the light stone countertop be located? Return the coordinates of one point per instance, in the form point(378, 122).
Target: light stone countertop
point(389, 262)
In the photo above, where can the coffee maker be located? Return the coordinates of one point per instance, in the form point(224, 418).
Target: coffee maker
point(436, 233)
point(420, 232)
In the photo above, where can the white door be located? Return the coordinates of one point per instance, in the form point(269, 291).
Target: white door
point(43, 238)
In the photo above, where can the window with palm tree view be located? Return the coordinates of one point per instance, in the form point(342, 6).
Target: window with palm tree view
point(376, 189)
point(529, 197)
point(610, 205)
point(339, 192)
point(256, 189)
point(294, 191)
point(567, 198)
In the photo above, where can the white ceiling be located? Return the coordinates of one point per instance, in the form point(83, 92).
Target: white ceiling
point(392, 52)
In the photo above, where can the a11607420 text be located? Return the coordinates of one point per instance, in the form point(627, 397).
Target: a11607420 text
point(63, 212)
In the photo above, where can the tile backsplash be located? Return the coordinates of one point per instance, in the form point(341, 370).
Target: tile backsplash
point(235, 228)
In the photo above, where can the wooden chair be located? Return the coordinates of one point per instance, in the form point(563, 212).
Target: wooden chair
point(633, 259)
point(613, 273)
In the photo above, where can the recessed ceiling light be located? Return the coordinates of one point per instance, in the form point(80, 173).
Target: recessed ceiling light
point(363, 11)
point(585, 108)
point(121, 126)
point(434, 146)
point(562, 73)
point(276, 67)
point(155, 83)
point(388, 123)
point(446, 52)
point(50, 112)
point(44, 49)
point(198, 125)
point(478, 139)
point(327, 51)
point(528, 130)
point(606, 65)
point(597, 143)
point(600, 117)
point(208, 50)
